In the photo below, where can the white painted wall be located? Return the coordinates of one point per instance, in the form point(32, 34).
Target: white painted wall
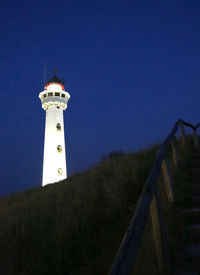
point(54, 162)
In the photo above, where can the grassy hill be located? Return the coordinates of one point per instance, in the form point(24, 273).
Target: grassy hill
point(74, 226)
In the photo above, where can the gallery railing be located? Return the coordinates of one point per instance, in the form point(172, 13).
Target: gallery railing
point(150, 203)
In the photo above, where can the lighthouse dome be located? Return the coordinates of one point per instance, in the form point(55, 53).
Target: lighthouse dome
point(54, 83)
point(55, 79)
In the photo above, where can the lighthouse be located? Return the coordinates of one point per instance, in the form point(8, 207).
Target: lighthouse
point(54, 101)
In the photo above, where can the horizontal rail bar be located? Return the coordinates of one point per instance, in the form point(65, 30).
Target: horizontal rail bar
point(189, 125)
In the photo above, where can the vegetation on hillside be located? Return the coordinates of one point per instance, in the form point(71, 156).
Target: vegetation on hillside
point(76, 226)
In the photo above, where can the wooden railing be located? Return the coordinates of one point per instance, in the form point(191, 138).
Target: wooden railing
point(150, 203)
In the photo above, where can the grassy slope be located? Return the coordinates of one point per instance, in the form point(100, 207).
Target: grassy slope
point(75, 226)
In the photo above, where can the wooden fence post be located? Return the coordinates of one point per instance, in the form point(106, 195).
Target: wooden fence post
point(159, 234)
point(168, 180)
point(183, 134)
point(195, 138)
point(175, 156)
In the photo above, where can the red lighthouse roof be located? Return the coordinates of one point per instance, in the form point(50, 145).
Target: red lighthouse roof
point(56, 80)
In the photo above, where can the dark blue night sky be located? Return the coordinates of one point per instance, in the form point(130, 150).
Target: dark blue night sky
point(132, 69)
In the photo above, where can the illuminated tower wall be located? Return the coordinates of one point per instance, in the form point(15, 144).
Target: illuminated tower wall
point(54, 101)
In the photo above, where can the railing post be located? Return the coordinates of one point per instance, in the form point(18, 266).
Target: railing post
point(195, 138)
point(168, 180)
point(183, 134)
point(159, 234)
point(175, 156)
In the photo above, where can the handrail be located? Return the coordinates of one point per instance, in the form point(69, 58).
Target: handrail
point(128, 250)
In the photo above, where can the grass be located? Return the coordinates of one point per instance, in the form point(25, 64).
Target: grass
point(76, 226)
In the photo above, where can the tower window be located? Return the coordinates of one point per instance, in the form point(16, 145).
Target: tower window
point(59, 148)
point(44, 95)
point(58, 107)
point(58, 126)
point(63, 95)
point(57, 94)
point(50, 94)
point(60, 171)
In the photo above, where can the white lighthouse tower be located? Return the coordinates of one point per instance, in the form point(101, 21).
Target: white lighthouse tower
point(54, 100)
